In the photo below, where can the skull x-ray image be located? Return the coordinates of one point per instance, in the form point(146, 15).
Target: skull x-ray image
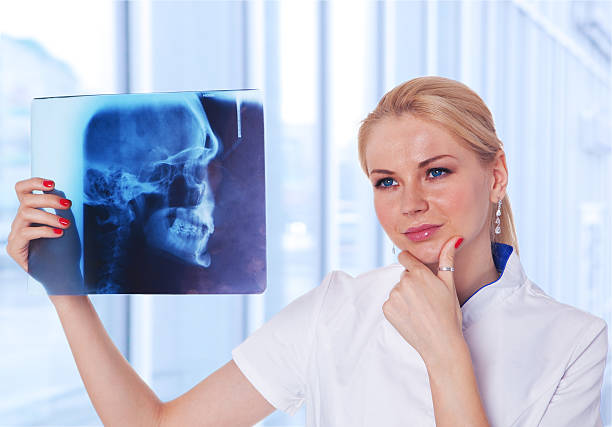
point(168, 192)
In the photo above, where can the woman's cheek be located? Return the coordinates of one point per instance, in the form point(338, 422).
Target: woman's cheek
point(455, 200)
point(462, 208)
point(384, 211)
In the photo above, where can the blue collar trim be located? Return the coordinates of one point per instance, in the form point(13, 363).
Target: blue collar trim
point(501, 253)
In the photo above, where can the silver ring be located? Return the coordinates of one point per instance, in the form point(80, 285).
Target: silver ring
point(446, 268)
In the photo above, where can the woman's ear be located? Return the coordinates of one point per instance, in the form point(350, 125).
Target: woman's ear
point(499, 171)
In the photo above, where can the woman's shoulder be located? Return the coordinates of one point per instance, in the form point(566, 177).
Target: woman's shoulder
point(363, 289)
point(562, 315)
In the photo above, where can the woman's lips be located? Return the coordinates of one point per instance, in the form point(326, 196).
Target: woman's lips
point(425, 234)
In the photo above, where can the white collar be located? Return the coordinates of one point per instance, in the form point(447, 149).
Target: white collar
point(511, 278)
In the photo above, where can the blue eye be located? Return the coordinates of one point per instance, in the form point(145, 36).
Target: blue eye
point(435, 175)
point(388, 182)
point(385, 182)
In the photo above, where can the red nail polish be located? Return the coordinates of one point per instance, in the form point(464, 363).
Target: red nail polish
point(65, 202)
point(48, 183)
point(64, 221)
point(458, 242)
point(57, 231)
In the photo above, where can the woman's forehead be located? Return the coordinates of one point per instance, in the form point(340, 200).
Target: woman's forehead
point(410, 139)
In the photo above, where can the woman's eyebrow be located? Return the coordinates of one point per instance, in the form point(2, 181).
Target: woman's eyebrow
point(422, 164)
point(426, 162)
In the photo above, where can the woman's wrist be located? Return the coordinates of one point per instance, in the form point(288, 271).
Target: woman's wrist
point(448, 353)
point(60, 301)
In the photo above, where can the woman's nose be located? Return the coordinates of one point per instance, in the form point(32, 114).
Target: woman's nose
point(413, 200)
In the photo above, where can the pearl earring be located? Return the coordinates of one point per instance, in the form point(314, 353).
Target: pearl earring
point(497, 219)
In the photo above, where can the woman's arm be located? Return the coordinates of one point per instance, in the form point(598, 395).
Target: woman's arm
point(118, 394)
point(454, 390)
point(576, 399)
point(122, 398)
point(424, 309)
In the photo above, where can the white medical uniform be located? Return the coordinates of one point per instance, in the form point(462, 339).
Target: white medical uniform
point(538, 362)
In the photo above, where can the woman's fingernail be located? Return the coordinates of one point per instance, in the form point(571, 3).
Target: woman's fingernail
point(458, 242)
point(48, 183)
point(65, 202)
point(57, 230)
point(64, 221)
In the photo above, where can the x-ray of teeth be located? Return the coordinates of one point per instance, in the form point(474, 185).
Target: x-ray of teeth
point(167, 191)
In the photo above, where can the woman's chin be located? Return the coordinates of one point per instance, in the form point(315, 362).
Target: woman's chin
point(427, 254)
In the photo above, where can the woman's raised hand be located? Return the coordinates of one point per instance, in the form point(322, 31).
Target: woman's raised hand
point(54, 263)
point(22, 228)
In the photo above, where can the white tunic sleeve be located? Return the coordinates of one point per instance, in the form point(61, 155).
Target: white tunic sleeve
point(576, 401)
point(274, 358)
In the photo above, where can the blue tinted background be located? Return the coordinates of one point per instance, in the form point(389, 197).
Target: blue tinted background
point(542, 67)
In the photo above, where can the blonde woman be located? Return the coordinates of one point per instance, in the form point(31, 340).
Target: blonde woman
point(455, 334)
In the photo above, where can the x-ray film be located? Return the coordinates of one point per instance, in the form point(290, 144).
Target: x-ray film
point(167, 191)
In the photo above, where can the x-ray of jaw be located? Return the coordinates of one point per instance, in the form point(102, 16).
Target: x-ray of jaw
point(174, 172)
point(168, 190)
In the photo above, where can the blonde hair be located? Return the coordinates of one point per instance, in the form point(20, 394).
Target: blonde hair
point(460, 111)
